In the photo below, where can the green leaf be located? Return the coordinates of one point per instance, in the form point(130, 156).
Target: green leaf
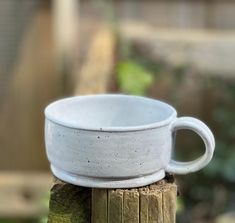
point(133, 78)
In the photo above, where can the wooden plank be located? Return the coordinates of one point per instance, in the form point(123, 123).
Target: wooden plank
point(155, 211)
point(184, 48)
point(99, 213)
point(34, 83)
point(169, 196)
point(144, 204)
point(65, 21)
point(182, 14)
point(66, 33)
point(115, 206)
point(96, 72)
point(131, 206)
point(155, 203)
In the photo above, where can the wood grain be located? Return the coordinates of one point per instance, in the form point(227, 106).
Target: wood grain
point(155, 203)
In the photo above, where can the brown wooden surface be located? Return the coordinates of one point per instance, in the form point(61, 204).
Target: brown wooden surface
point(95, 73)
point(155, 203)
point(33, 83)
point(24, 194)
point(115, 205)
point(99, 205)
point(182, 14)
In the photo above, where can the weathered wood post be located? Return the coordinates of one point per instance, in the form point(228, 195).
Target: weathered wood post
point(155, 203)
point(149, 204)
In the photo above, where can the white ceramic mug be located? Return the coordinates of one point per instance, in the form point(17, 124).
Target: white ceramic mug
point(117, 141)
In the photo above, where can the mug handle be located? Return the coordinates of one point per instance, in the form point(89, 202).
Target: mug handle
point(205, 133)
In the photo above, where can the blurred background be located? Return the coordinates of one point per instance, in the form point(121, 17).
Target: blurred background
point(181, 51)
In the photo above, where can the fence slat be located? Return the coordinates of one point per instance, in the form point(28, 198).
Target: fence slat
point(99, 213)
point(115, 206)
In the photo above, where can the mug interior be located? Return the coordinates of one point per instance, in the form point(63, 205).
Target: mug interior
point(110, 112)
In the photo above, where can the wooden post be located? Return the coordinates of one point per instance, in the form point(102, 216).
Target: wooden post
point(66, 24)
point(155, 203)
point(70, 204)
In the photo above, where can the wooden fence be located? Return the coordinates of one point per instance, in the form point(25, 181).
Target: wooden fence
point(186, 14)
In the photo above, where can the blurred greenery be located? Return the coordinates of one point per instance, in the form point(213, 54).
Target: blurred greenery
point(223, 164)
point(133, 78)
point(33, 220)
point(19, 221)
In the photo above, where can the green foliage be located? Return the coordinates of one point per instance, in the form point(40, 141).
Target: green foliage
point(43, 220)
point(180, 205)
point(133, 78)
point(7, 221)
point(223, 164)
point(18, 220)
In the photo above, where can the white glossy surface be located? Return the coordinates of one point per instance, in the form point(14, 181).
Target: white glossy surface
point(116, 141)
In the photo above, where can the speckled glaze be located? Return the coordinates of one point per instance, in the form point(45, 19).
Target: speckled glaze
point(117, 141)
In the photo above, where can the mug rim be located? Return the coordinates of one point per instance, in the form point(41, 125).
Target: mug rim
point(49, 115)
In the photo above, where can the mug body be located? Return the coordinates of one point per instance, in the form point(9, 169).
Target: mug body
point(108, 154)
point(109, 140)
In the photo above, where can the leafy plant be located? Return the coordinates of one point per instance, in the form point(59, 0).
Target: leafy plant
point(133, 78)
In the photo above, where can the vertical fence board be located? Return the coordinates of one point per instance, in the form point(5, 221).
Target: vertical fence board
point(131, 206)
point(99, 213)
point(115, 206)
point(144, 204)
